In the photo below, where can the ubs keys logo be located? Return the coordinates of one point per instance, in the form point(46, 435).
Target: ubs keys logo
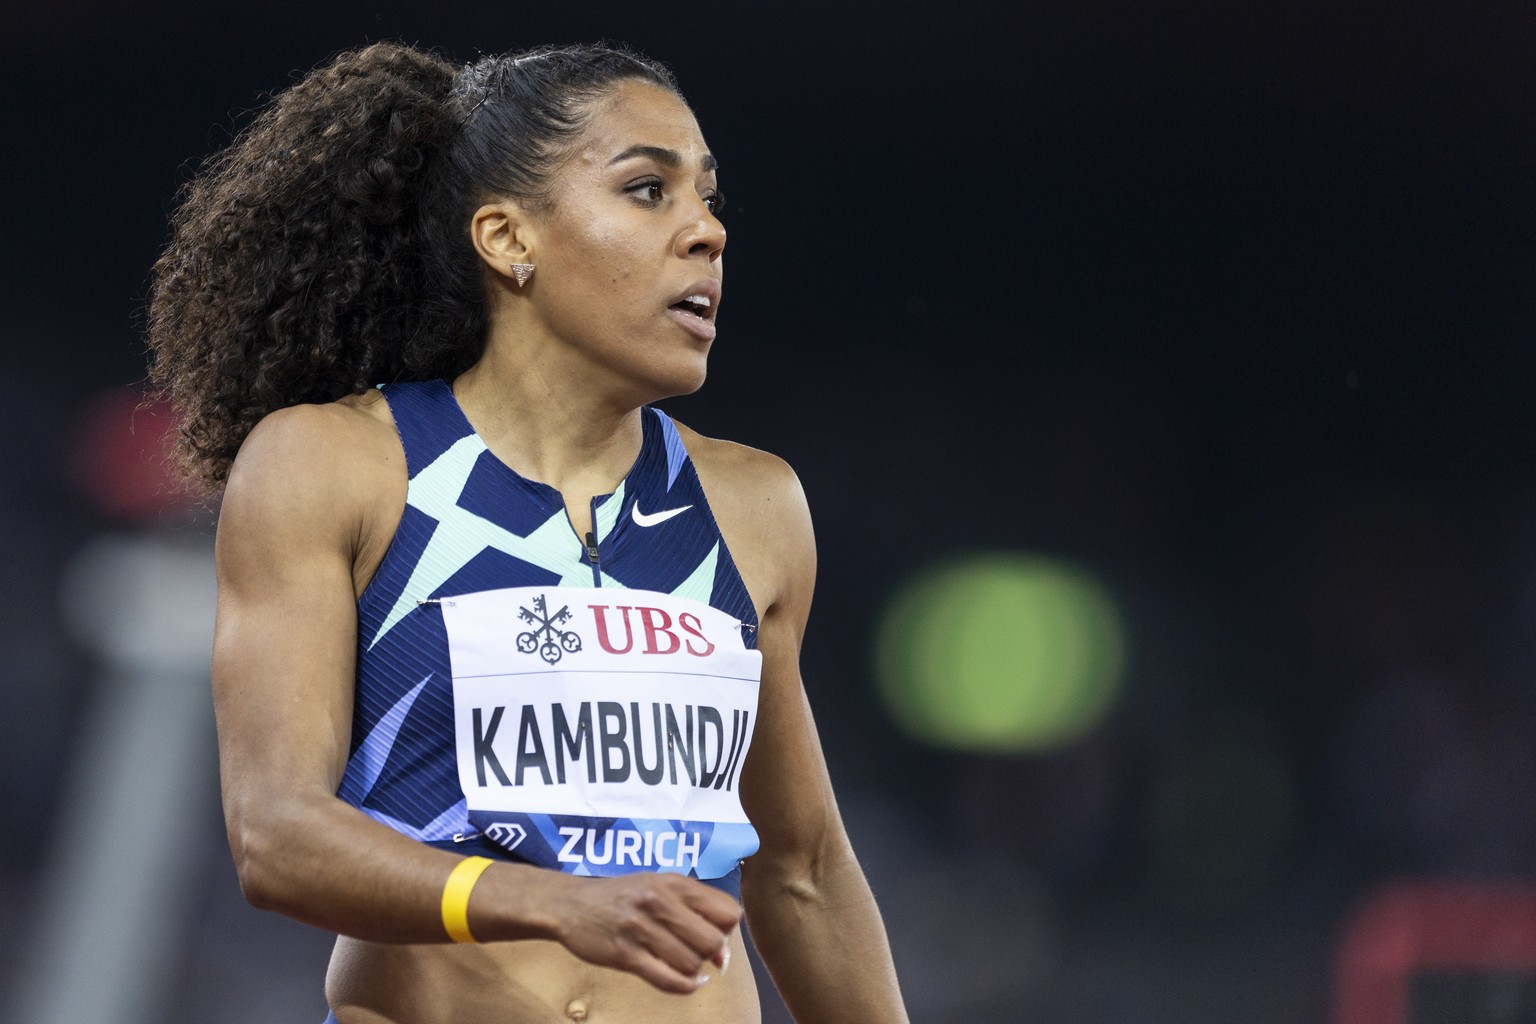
point(546, 636)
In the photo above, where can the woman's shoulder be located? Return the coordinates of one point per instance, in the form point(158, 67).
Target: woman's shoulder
point(319, 461)
point(340, 436)
point(761, 508)
point(740, 472)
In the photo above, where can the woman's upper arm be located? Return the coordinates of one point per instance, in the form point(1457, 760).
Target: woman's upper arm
point(290, 528)
point(785, 788)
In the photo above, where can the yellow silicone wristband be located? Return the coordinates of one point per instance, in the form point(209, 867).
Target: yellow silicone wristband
point(461, 882)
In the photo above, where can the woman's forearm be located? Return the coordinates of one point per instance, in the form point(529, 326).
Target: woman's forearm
point(322, 862)
point(824, 943)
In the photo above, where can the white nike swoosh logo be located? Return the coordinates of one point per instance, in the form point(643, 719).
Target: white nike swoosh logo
point(654, 518)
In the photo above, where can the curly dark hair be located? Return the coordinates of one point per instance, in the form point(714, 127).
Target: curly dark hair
point(326, 249)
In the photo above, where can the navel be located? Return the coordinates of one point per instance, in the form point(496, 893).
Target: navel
point(576, 1011)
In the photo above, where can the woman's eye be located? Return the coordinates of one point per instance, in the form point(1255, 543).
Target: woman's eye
point(648, 192)
point(651, 192)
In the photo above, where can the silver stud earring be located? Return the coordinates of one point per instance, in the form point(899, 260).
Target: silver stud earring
point(522, 271)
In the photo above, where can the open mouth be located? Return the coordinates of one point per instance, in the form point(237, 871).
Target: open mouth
point(694, 305)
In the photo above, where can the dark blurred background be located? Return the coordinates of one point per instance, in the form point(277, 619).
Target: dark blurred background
point(1221, 312)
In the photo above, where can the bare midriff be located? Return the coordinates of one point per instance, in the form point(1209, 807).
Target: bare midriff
point(528, 982)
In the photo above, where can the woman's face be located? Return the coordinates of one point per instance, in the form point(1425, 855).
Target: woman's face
point(628, 256)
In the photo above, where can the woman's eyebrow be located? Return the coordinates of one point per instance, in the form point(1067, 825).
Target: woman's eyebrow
point(662, 155)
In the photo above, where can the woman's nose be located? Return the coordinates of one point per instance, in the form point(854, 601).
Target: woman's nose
point(705, 235)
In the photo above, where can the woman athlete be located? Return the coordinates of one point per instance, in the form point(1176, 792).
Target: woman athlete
point(413, 317)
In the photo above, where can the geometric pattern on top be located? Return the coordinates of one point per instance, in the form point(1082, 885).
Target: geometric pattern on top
point(472, 523)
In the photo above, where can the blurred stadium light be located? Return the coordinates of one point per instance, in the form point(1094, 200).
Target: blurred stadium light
point(1439, 952)
point(1001, 652)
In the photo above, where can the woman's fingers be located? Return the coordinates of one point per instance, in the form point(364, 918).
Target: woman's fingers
point(659, 972)
point(712, 904)
point(700, 916)
point(666, 929)
point(661, 939)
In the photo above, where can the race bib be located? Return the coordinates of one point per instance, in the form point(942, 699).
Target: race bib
point(602, 731)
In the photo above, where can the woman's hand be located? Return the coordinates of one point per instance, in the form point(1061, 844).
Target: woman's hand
point(662, 927)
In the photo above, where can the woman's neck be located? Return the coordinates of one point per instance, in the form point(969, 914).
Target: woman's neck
point(549, 424)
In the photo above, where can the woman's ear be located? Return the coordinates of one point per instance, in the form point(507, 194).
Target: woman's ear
point(502, 234)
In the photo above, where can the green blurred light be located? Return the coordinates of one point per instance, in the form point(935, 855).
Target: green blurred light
point(1000, 653)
